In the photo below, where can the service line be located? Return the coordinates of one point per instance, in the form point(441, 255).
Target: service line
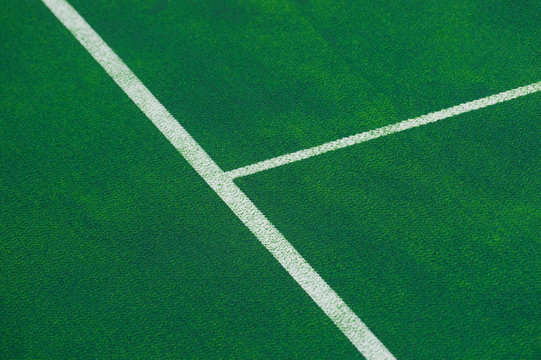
point(335, 308)
point(384, 131)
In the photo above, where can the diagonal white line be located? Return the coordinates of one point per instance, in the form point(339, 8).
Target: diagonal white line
point(335, 308)
point(383, 131)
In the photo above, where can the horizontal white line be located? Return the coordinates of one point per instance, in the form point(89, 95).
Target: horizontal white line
point(335, 308)
point(383, 131)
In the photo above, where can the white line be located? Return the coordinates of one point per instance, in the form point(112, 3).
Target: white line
point(383, 131)
point(335, 308)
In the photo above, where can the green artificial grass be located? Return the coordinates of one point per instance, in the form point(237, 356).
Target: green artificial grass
point(111, 245)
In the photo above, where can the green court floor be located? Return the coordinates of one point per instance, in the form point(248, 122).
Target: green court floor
point(113, 247)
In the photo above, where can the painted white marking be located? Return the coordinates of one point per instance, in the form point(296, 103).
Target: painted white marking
point(383, 131)
point(335, 308)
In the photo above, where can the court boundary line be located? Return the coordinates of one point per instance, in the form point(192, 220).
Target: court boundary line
point(310, 281)
point(383, 131)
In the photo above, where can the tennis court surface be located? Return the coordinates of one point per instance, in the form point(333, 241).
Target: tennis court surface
point(270, 179)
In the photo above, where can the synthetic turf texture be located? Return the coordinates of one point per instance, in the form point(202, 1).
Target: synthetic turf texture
point(237, 76)
point(112, 246)
point(311, 282)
